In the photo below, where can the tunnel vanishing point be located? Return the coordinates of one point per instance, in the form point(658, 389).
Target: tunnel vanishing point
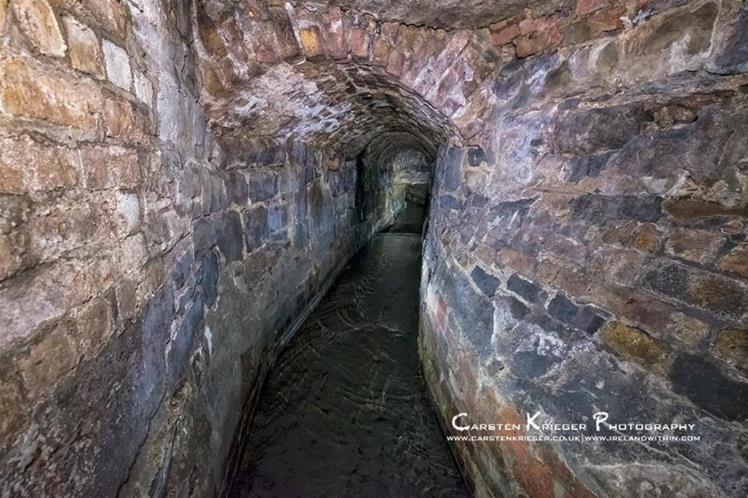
point(181, 182)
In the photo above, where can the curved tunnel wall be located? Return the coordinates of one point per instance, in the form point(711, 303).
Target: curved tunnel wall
point(178, 184)
point(148, 273)
point(590, 257)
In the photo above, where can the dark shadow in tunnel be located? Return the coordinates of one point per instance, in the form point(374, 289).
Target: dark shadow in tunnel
point(345, 410)
point(412, 217)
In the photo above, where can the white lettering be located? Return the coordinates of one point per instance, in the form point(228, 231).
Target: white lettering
point(458, 427)
point(599, 417)
point(531, 421)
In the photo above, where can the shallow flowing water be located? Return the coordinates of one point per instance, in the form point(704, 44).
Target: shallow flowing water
point(345, 412)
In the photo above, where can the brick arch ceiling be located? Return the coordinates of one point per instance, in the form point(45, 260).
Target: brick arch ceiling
point(340, 80)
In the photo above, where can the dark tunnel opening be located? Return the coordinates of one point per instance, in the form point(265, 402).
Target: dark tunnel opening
point(344, 410)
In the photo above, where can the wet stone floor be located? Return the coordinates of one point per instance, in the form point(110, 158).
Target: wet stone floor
point(345, 412)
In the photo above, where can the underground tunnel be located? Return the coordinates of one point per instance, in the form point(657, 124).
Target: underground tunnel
point(346, 248)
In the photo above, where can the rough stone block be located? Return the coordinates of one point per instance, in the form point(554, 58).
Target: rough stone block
point(204, 235)
point(451, 167)
point(597, 129)
point(701, 381)
point(579, 317)
point(586, 6)
point(734, 57)
point(634, 344)
point(85, 53)
point(42, 366)
point(29, 166)
point(700, 246)
point(94, 325)
point(208, 279)
point(110, 167)
point(143, 88)
point(117, 64)
point(43, 93)
point(12, 410)
point(182, 269)
point(619, 265)
point(688, 329)
point(736, 261)
point(334, 33)
point(526, 289)
point(714, 293)
point(359, 43)
point(128, 211)
point(237, 188)
point(263, 185)
point(475, 313)
point(11, 253)
point(587, 166)
point(528, 45)
point(395, 65)
point(516, 260)
point(109, 15)
point(732, 346)
point(597, 207)
point(182, 344)
point(310, 42)
point(381, 51)
point(448, 202)
point(277, 219)
point(505, 35)
point(229, 236)
point(125, 122)
point(591, 27)
point(646, 237)
point(38, 22)
point(256, 227)
point(287, 46)
point(486, 282)
point(3, 15)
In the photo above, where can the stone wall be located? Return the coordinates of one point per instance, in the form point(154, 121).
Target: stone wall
point(590, 255)
point(180, 180)
point(147, 277)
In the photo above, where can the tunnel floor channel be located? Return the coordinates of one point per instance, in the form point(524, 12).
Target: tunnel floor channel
point(345, 412)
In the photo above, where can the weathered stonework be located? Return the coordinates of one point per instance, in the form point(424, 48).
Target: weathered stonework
point(85, 52)
point(612, 246)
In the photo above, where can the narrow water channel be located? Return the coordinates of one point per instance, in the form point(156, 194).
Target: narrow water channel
point(345, 412)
